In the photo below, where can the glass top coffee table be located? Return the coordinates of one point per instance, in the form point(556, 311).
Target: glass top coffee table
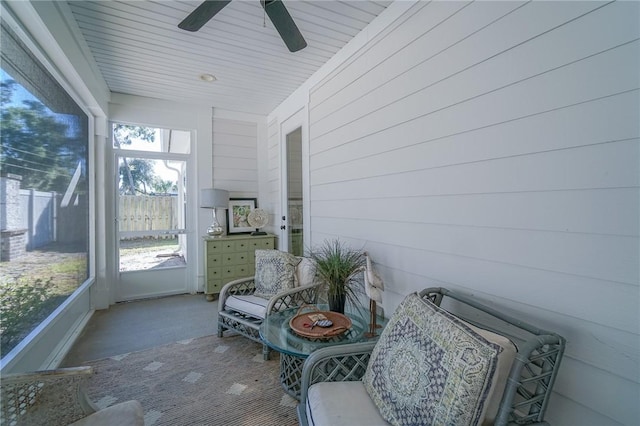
point(276, 333)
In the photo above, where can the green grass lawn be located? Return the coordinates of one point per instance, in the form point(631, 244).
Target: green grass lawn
point(32, 287)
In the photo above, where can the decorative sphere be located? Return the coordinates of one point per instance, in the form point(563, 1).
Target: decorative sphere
point(258, 218)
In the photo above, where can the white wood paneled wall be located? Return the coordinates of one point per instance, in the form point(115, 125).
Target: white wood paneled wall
point(235, 158)
point(493, 147)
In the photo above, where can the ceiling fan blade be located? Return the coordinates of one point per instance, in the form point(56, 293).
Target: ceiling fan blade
point(284, 24)
point(202, 14)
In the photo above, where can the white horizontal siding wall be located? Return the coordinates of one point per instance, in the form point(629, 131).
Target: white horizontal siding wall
point(493, 147)
point(235, 157)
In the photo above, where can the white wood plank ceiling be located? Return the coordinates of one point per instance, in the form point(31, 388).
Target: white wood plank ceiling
point(140, 50)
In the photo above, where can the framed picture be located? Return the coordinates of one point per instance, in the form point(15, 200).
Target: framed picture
point(237, 213)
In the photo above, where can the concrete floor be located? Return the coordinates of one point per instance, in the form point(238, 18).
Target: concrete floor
point(134, 326)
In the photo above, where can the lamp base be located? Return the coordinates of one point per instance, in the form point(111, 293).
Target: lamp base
point(215, 230)
point(258, 232)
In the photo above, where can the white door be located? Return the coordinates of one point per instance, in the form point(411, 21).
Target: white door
point(151, 211)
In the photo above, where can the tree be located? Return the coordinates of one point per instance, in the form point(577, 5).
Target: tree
point(136, 176)
point(38, 144)
point(162, 186)
point(136, 172)
point(124, 134)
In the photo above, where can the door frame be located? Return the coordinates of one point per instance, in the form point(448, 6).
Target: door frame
point(151, 278)
point(299, 119)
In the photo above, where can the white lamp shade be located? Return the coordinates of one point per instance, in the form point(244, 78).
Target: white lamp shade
point(211, 198)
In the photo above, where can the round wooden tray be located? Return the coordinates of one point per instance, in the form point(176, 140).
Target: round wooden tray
point(341, 323)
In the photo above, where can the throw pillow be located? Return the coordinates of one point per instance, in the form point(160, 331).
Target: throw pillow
point(274, 272)
point(429, 368)
point(503, 367)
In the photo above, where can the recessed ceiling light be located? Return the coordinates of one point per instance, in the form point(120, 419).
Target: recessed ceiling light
point(208, 77)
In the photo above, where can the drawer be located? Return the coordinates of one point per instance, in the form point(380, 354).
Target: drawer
point(214, 259)
point(235, 259)
point(229, 246)
point(214, 246)
point(242, 245)
point(213, 273)
point(234, 272)
point(262, 243)
point(245, 271)
point(214, 286)
point(251, 269)
point(229, 271)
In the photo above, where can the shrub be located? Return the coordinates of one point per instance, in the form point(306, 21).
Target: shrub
point(21, 305)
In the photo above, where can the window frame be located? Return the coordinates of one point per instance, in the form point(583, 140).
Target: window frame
point(45, 346)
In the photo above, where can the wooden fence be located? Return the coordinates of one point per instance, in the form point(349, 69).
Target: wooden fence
point(147, 213)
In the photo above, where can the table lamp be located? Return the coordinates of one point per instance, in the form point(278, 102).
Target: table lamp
point(211, 198)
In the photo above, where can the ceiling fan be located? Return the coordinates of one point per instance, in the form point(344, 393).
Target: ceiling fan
point(274, 8)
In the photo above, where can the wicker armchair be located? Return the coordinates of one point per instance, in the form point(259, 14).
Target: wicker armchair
point(525, 392)
point(241, 311)
point(56, 397)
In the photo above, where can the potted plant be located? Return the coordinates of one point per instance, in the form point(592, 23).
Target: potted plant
point(339, 267)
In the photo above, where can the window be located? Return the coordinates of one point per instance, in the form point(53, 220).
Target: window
point(44, 193)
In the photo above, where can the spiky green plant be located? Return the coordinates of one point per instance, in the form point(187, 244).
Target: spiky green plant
point(339, 267)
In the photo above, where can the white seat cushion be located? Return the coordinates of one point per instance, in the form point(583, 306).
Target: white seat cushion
point(341, 403)
point(250, 305)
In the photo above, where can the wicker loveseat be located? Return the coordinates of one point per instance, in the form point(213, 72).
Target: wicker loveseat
point(56, 398)
point(429, 366)
point(241, 306)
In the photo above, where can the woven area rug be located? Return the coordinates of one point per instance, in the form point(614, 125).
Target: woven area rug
point(204, 381)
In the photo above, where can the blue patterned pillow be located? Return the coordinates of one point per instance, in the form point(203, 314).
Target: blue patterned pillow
point(429, 368)
point(275, 271)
